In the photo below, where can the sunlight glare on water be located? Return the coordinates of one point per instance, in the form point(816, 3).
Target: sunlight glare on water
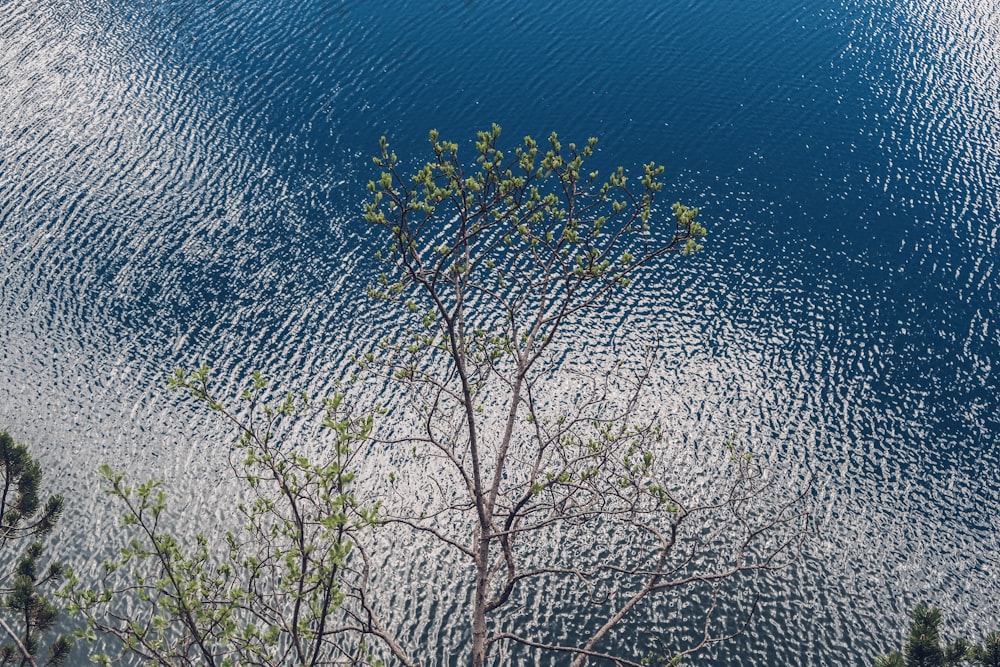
point(182, 182)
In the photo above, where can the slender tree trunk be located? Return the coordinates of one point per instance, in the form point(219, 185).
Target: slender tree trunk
point(479, 604)
point(482, 547)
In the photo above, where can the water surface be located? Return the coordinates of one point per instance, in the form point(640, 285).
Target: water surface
point(181, 181)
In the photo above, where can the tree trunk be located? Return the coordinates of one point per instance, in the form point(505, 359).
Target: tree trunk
point(479, 604)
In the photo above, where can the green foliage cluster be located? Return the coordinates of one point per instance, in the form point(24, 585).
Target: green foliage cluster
point(924, 647)
point(538, 208)
point(274, 592)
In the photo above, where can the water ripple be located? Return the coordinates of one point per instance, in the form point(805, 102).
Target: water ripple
point(181, 182)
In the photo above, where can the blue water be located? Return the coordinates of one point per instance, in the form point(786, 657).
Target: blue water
point(182, 180)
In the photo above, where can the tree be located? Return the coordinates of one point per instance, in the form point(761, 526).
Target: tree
point(893, 659)
point(495, 264)
point(987, 654)
point(28, 613)
point(494, 267)
point(924, 649)
point(923, 645)
point(285, 588)
point(957, 652)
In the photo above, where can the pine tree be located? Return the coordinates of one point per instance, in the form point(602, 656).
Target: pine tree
point(894, 659)
point(988, 654)
point(924, 649)
point(957, 652)
point(923, 646)
point(22, 517)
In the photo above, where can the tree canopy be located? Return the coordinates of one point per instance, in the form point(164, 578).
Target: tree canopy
point(510, 464)
point(924, 647)
point(29, 614)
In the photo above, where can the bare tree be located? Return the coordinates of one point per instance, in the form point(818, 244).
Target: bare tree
point(496, 263)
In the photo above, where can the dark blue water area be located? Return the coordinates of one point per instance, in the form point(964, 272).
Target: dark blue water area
point(182, 181)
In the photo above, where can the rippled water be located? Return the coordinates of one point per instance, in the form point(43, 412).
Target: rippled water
point(181, 181)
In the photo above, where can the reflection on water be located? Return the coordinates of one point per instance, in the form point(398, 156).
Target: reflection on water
point(182, 182)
